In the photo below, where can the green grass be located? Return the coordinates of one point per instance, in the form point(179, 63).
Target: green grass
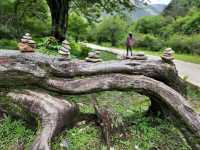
point(143, 132)
point(8, 44)
point(108, 56)
point(194, 97)
point(14, 131)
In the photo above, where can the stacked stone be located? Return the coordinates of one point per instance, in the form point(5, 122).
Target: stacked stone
point(139, 56)
point(94, 56)
point(64, 50)
point(27, 44)
point(168, 55)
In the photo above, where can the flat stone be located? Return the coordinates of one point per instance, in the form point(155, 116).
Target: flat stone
point(65, 42)
point(63, 49)
point(140, 54)
point(93, 55)
point(31, 42)
point(24, 40)
point(139, 58)
point(27, 37)
point(25, 48)
point(97, 52)
point(93, 60)
point(66, 46)
point(167, 58)
point(63, 52)
point(27, 34)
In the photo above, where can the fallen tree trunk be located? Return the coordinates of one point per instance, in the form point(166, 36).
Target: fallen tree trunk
point(35, 67)
point(152, 78)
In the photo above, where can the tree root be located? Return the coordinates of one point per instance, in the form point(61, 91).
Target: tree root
point(55, 114)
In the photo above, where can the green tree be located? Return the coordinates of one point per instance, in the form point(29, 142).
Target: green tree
point(78, 26)
point(111, 29)
point(180, 7)
point(151, 24)
point(60, 11)
point(18, 16)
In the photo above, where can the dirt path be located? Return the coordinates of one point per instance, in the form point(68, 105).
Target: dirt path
point(189, 70)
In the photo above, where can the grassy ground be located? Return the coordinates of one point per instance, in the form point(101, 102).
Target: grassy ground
point(143, 133)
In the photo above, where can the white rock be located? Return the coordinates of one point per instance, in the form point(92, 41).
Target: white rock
point(27, 37)
point(27, 34)
point(24, 40)
point(65, 42)
point(64, 49)
point(63, 53)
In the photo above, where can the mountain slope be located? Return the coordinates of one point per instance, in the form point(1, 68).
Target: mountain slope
point(150, 10)
point(180, 7)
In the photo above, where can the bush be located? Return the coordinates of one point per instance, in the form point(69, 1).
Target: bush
point(149, 42)
point(8, 44)
point(190, 24)
point(84, 51)
point(49, 43)
point(185, 44)
point(150, 24)
point(78, 27)
point(111, 29)
point(78, 50)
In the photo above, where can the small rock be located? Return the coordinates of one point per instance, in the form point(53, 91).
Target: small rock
point(27, 44)
point(64, 50)
point(112, 148)
point(25, 48)
point(139, 56)
point(64, 144)
point(93, 57)
point(168, 55)
point(93, 60)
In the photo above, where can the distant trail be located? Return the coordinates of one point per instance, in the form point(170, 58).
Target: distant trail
point(185, 69)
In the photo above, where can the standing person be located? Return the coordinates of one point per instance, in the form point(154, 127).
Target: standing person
point(129, 44)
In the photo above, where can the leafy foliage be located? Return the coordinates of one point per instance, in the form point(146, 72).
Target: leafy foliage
point(151, 24)
point(78, 26)
point(149, 41)
point(111, 29)
point(18, 17)
point(185, 44)
point(13, 132)
point(180, 7)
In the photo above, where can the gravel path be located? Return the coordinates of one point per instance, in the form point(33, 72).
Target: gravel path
point(189, 70)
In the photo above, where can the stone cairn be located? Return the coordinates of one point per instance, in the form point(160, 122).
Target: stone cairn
point(168, 55)
point(94, 57)
point(64, 50)
point(27, 44)
point(139, 56)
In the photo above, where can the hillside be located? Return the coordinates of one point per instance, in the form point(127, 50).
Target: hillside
point(180, 7)
point(150, 10)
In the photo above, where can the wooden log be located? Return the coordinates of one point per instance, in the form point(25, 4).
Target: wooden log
point(35, 67)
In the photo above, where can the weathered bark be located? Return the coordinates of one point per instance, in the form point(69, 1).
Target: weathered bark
point(55, 114)
point(59, 16)
point(152, 78)
point(169, 100)
point(36, 67)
